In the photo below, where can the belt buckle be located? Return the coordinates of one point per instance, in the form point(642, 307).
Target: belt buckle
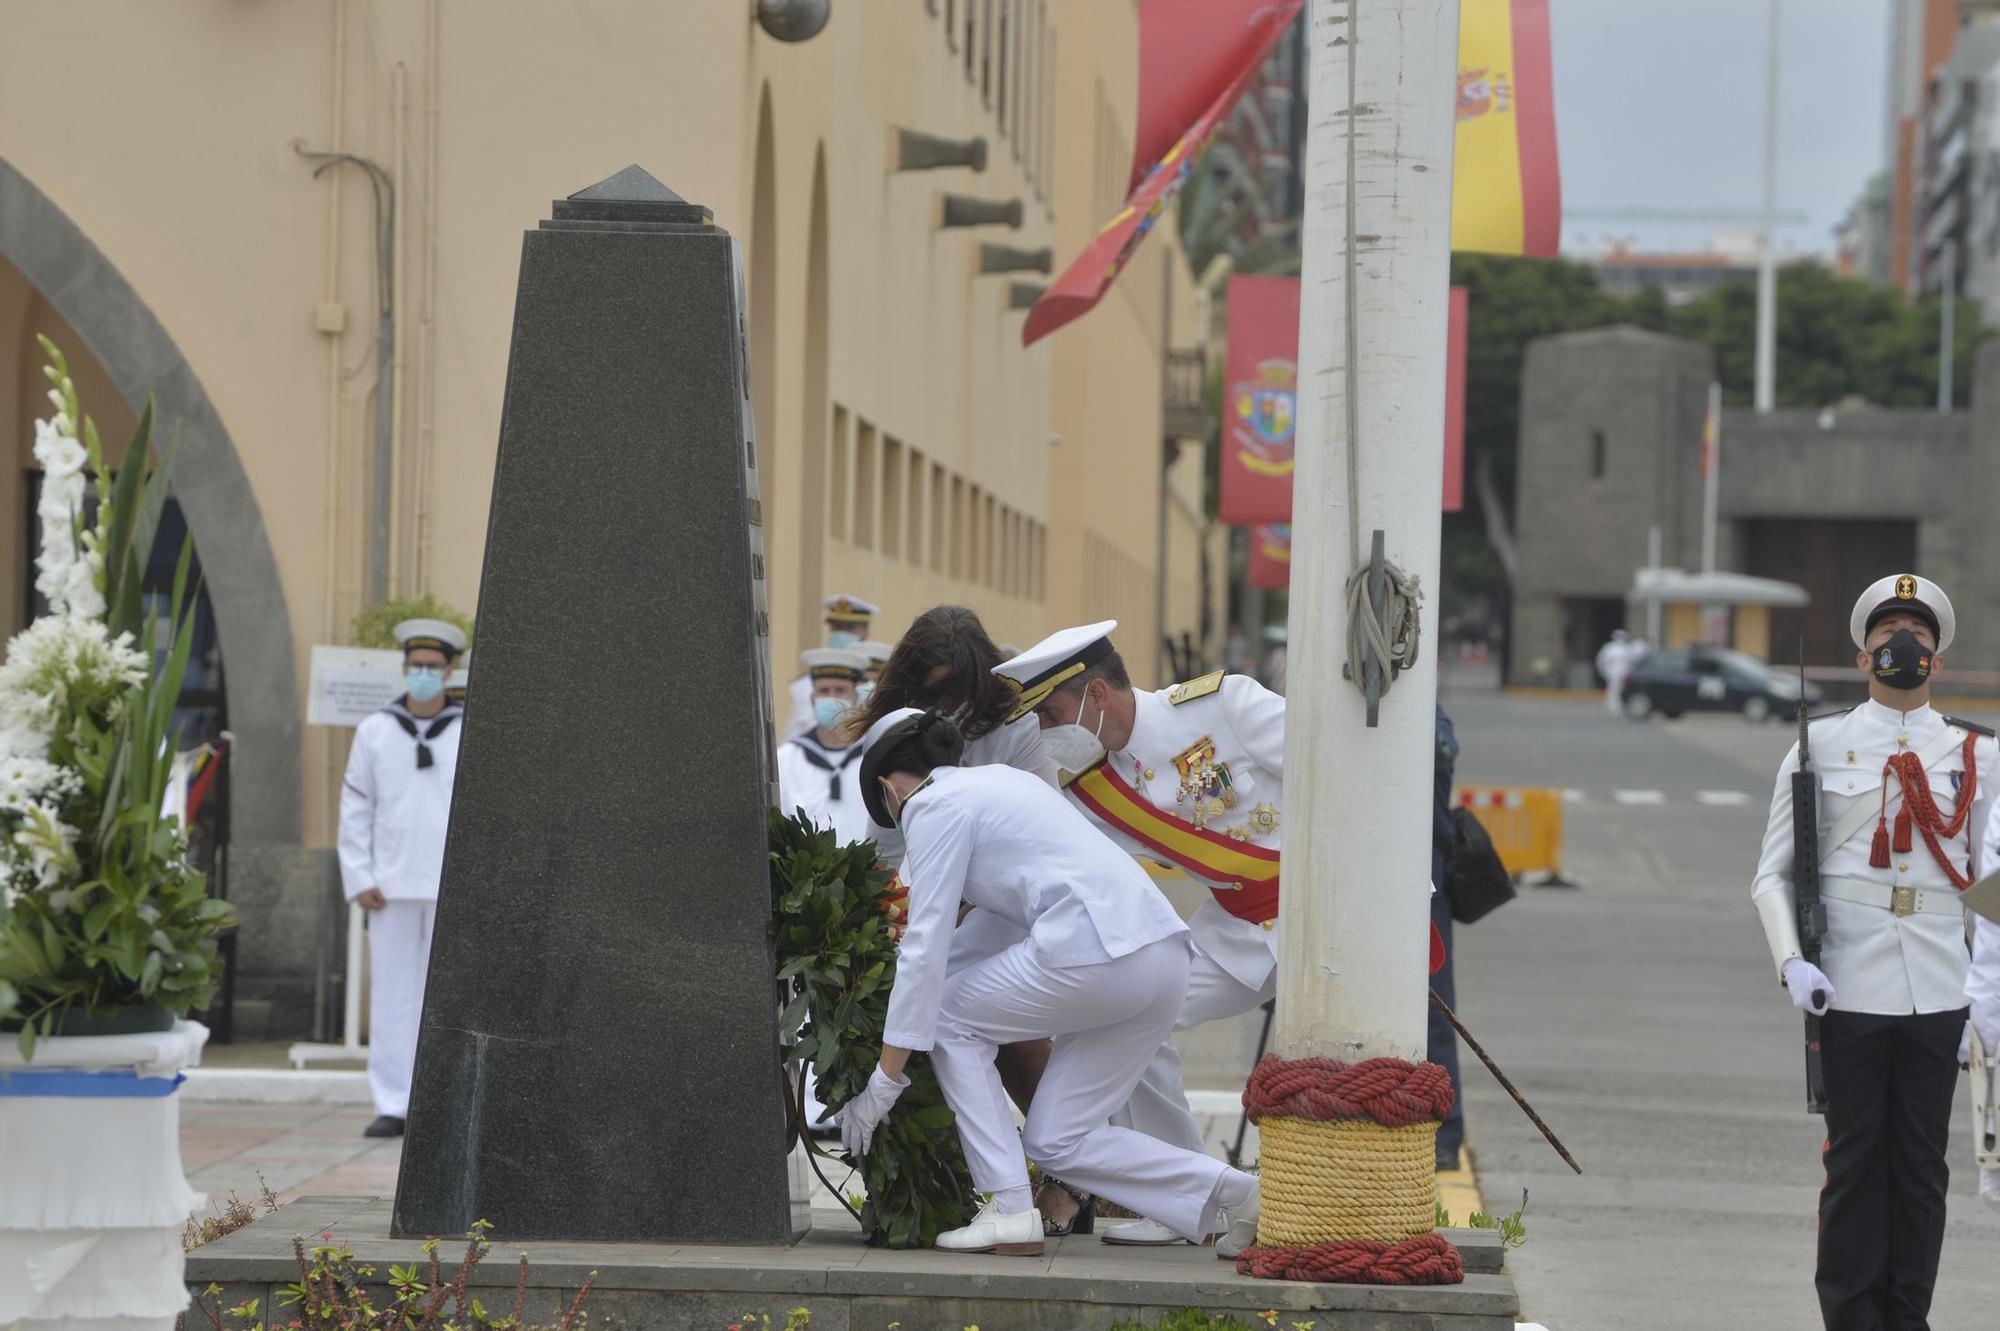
point(1903, 901)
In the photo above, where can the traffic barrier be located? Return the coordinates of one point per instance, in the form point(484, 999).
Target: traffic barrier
point(1526, 826)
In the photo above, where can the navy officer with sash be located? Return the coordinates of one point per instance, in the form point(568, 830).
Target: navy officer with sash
point(1190, 776)
point(1905, 796)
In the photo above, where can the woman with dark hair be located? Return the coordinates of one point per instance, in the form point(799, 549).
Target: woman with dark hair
point(1101, 967)
point(944, 664)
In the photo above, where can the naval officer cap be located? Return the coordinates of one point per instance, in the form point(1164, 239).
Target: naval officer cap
point(1053, 662)
point(844, 609)
point(434, 634)
point(1908, 594)
point(883, 741)
point(878, 653)
point(834, 663)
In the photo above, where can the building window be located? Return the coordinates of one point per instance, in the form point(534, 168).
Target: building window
point(913, 547)
point(1024, 133)
point(937, 517)
point(1048, 182)
point(958, 542)
point(990, 551)
point(951, 24)
point(971, 39)
point(1006, 8)
point(864, 483)
point(892, 497)
point(986, 51)
point(839, 473)
point(1597, 455)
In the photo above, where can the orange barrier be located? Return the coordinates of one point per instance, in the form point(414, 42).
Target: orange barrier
point(1526, 826)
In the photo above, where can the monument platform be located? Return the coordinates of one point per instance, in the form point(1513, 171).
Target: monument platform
point(1079, 1284)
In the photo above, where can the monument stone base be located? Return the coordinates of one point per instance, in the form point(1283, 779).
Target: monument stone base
point(1079, 1284)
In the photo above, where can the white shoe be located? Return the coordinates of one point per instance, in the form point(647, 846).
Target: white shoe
point(1239, 1228)
point(1142, 1234)
point(1017, 1235)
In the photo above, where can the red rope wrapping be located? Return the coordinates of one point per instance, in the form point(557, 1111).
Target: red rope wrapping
point(1427, 1259)
point(1391, 1091)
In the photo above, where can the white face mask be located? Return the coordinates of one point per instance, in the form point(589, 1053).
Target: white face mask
point(1074, 747)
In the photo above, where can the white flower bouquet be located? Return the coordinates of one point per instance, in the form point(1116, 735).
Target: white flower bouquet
point(100, 913)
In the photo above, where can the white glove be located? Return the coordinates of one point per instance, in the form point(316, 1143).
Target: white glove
point(1989, 1185)
point(1986, 1020)
point(860, 1116)
point(1802, 980)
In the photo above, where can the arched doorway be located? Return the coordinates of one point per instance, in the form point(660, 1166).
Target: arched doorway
point(813, 422)
point(252, 628)
point(763, 283)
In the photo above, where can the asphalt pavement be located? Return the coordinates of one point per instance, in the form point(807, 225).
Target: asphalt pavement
point(1639, 1014)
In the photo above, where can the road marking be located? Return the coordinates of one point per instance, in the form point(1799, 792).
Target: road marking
point(1639, 796)
point(1574, 796)
point(1722, 798)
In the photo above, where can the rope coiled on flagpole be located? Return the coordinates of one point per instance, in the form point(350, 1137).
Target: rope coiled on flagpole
point(1389, 639)
point(1349, 1172)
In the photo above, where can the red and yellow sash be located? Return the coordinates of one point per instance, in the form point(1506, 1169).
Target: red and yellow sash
point(1243, 878)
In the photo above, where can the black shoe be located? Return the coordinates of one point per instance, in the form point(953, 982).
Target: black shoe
point(1447, 1160)
point(1083, 1222)
point(388, 1125)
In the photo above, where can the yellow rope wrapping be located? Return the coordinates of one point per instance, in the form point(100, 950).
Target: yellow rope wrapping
point(1345, 1179)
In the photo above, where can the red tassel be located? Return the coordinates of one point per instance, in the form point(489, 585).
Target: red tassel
point(1902, 831)
point(1878, 854)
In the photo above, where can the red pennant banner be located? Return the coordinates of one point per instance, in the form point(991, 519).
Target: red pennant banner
point(1259, 400)
point(1195, 59)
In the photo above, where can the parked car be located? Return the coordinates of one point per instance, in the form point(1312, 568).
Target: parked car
point(1712, 679)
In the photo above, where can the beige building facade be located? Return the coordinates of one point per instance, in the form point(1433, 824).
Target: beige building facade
point(170, 215)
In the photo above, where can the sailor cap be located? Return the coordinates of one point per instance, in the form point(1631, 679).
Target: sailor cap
point(877, 747)
point(1052, 662)
point(434, 634)
point(833, 663)
point(878, 653)
point(844, 609)
point(1908, 593)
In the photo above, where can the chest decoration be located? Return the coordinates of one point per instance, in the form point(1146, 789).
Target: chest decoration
point(1920, 812)
point(1205, 789)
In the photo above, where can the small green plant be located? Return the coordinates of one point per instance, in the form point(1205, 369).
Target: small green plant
point(1513, 1233)
point(835, 917)
point(796, 1319)
point(333, 1293)
point(374, 627)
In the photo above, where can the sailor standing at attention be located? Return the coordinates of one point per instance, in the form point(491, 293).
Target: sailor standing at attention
point(1905, 795)
point(847, 619)
point(395, 803)
point(819, 771)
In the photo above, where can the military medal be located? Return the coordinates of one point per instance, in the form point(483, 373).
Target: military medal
point(1264, 818)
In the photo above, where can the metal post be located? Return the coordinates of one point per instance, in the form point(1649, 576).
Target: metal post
point(1711, 481)
point(1767, 258)
point(1372, 334)
point(1653, 602)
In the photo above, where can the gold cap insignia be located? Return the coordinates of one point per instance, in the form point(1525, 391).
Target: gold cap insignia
point(1906, 588)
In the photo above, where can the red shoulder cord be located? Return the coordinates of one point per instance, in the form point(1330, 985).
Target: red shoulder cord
point(1920, 807)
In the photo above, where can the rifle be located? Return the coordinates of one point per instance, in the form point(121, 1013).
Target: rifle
point(1805, 887)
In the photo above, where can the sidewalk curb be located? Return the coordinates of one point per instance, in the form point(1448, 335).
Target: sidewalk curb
point(276, 1086)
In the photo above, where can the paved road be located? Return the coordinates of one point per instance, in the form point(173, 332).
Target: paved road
point(1639, 1015)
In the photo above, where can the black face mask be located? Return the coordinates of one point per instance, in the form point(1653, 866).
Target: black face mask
point(1902, 662)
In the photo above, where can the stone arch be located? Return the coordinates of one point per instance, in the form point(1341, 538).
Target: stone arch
point(816, 409)
point(118, 327)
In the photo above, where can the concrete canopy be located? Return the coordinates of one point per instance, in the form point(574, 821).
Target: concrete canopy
point(1681, 587)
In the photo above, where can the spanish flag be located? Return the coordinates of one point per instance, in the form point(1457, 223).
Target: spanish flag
point(1506, 193)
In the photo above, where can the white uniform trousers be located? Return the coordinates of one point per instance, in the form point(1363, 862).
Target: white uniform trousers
point(1159, 1103)
point(399, 956)
point(1107, 1019)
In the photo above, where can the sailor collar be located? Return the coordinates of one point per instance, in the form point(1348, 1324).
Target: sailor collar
point(1885, 717)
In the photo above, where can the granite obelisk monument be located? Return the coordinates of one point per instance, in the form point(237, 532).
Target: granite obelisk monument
point(599, 1050)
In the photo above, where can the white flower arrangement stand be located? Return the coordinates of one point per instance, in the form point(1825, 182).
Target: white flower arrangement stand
point(95, 1197)
point(350, 1048)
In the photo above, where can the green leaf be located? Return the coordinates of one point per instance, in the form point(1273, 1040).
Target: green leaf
point(99, 917)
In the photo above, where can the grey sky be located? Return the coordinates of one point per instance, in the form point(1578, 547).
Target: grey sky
point(1660, 105)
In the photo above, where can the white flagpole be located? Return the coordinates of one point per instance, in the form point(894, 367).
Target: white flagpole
point(1711, 481)
point(1767, 259)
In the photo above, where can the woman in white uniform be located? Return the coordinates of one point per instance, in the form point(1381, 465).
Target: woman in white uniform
point(1101, 967)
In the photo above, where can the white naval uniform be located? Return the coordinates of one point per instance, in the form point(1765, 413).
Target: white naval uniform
point(393, 816)
point(799, 709)
point(804, 785)
point(1982, 984)
point(1235, 964)
point(1881, 963)
point(1102, 970)
point(1017, 744)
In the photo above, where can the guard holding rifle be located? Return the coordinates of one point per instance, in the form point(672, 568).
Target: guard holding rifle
point(1903, 798)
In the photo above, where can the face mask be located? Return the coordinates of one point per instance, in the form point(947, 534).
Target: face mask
point(423, 683)
point(862, 693)
point(1074, 747)
point(1902, 662)
point(841, 638)
point(828, 711)
point(891, 805)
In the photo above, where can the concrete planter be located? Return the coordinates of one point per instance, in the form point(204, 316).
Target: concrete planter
point(95, 1200)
